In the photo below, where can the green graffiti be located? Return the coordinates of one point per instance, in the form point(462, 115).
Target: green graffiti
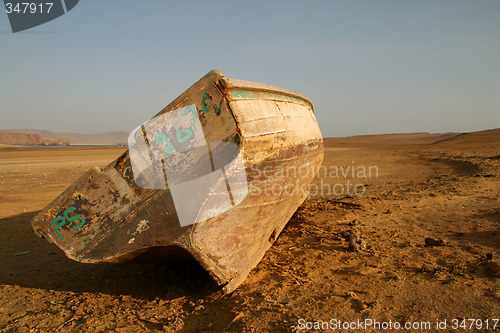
point(194, 115)
point(65, 219)
point(188, 132)
point(162, 139)
point(217, 111)
point(182, 134)
point(243, 94)
point(212, 72)
point(58, 226)
point(268, 95)
point(73, 218)
point(205, 107)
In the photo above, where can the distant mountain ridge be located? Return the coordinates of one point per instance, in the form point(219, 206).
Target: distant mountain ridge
point(110, 138)
point(22, 139)
point(419, 138)
point(485, 137)
point(121, 138)
point(392, 139)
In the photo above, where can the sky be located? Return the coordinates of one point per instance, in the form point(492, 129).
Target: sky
point(369, 67)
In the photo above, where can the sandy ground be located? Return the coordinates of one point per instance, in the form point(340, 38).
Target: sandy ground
point(417, 242)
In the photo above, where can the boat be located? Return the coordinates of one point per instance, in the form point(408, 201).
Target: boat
point(215, 176)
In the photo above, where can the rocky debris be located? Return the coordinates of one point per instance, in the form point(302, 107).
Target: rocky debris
point(357, 304)
point(434, 242)
point(353, 222)
point(393, 276)
point(356, 243)
point(344, 204)
point(493, 268)
point(426, 268)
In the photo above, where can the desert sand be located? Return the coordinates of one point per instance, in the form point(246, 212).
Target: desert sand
point(391, 232)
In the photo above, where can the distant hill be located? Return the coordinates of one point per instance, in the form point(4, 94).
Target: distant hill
point(391, 139)
point(111, 138)
point(493, 130)
point(23, 139)
point(491, 136)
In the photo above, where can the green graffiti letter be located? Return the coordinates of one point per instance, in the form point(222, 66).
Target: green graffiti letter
point(58, 226)
point(204, 106)
point(76, 217)
point(188, 132)
point(162, 139)
point(217, 111)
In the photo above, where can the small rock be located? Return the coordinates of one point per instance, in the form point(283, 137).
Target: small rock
point(353, 222)
point(434, 242)
point(356, 243)
point(493, 269)
point(425, 268)
point(345, 235)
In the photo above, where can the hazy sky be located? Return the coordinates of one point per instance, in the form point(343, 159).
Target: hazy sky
point(368, 66)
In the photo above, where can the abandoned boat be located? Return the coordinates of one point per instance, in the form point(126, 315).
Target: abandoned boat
point(215, 175)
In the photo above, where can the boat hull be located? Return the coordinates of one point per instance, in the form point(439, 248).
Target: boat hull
point(271, 148)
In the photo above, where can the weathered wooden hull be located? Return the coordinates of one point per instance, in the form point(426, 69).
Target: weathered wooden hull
point(106, 216)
